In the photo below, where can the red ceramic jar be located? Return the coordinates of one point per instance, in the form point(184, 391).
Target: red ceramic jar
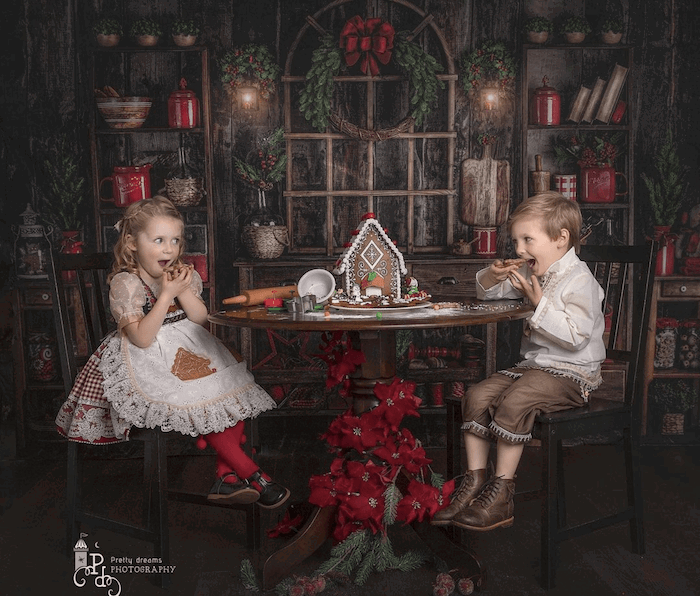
point(546, 105)
point(183, 108)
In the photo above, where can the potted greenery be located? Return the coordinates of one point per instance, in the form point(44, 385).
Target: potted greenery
point(184, 32)
point(108, 32)
point(666, 194)
point(610, 30)
point(146, 31)
point(666, 187)
point(672, 399)
point(575, 29)
point(66, 194)
point(538, 29)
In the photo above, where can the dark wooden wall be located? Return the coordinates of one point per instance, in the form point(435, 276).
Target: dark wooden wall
point(45, 86)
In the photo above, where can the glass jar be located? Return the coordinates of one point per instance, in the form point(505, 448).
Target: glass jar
point(666, 339)
point(689, 344)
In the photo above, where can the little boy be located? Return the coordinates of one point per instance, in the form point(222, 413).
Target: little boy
point(562, 350)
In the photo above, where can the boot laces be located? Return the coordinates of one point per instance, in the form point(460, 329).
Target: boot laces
point(463, 486)
point(489, 493)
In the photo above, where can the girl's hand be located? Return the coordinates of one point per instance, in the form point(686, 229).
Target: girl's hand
point(176, 282)
point(531, 289)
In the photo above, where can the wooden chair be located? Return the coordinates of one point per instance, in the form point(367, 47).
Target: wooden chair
point(626, 274)
point(80, 313)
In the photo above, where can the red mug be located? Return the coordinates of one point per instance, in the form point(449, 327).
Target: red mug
point(130, 184)
point(598, 185)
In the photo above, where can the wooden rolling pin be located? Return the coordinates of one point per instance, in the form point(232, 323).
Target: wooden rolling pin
point(258, 296)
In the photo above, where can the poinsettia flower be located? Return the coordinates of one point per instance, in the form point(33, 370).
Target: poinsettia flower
point(444, 498)
point(345, 526)
point(361, 432)
point(286, 526)
point(402, 454)
point(421, 500)
point(396, 400)
point(367, 504)
point(323, 490)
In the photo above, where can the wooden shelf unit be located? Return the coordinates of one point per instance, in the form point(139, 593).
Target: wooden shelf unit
point(155, 72)
point(568, 67)
point(668, 289)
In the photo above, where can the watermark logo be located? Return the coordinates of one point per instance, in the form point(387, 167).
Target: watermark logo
point(91, 567)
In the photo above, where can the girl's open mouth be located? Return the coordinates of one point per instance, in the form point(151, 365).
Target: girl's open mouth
point(163, 264)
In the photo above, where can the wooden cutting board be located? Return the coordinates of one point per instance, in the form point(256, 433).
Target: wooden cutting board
point(485, 191)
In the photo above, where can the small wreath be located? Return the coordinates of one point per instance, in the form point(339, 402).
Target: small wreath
point(490, 63)
point(253, 65)
point(326, 61)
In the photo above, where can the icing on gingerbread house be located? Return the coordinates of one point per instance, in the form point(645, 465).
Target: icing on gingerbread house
point(371, 261)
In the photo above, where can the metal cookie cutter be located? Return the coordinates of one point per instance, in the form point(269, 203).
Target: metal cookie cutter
point(301, 303)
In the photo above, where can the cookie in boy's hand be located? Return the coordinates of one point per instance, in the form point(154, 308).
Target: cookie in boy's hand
point(517, 262)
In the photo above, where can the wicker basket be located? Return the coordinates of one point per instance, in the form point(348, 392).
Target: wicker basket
point(184, 192)
point(673, 424)
point(265, 242)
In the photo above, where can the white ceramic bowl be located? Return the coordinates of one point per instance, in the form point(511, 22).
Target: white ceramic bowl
point(318, 282)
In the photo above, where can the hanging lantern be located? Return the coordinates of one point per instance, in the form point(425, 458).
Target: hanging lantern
point(248, 98)
point(32, 246)
point(489, 98)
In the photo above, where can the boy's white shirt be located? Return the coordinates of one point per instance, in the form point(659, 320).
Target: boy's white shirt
point(565, 332)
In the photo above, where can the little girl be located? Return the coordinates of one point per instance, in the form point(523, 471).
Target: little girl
point(161, 367)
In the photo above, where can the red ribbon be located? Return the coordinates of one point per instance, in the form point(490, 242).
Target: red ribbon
point(372, 40)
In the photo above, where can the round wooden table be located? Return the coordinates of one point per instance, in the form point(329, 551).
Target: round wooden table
point(376, 331)
point(375, 334)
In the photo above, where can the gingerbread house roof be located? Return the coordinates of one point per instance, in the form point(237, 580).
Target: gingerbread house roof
point(369, 247)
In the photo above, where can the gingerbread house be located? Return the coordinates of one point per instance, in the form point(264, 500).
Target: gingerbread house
point(371, 261)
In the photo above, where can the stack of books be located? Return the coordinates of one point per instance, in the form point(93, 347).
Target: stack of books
point(597, 102)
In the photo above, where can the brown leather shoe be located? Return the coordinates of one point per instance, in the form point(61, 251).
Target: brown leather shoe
point(492, 508)
point(471, 484)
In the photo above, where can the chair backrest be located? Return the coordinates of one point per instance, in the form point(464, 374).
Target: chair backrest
point(80, 294)
point(626, 274)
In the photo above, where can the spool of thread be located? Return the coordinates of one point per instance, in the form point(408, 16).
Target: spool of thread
point(540, 179)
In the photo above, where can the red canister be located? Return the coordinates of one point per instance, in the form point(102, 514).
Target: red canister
point(546, 105)
point(183, 108)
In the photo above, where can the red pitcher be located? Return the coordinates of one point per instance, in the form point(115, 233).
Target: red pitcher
point(598, 185)
point(130, 184)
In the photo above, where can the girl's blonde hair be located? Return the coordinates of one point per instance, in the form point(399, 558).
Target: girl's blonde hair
point(554, 212)
point(134, 221)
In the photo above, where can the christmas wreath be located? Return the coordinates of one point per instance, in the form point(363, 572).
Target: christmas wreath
point(253, 65)
point(489, 64)
point(371, 42)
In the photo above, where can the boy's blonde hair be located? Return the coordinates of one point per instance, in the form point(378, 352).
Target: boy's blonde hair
point(134, 221)
point(554, 213)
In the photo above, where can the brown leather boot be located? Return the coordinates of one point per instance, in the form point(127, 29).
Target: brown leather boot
point(492, 508)
point(471, 484)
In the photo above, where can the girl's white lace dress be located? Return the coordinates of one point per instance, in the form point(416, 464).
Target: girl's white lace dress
point(185, 381)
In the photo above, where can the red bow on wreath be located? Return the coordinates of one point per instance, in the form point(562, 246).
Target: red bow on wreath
point(373, 40)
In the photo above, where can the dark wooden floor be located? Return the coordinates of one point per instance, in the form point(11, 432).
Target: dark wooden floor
point(207, 544)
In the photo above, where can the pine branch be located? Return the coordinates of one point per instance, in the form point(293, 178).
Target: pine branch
point(392, 496)
point(248, 576)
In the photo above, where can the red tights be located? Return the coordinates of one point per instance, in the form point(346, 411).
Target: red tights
point(230, 457)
